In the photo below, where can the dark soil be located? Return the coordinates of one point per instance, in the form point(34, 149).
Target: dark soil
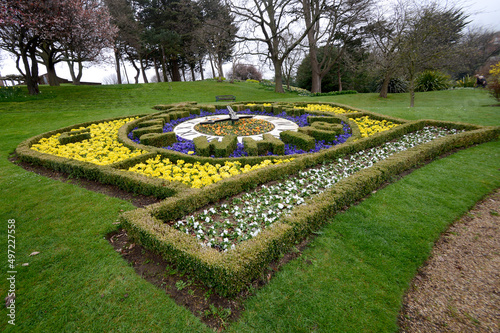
point(109, 190)
point(212, 309)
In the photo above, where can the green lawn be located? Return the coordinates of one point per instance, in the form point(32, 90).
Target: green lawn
point(351, 278)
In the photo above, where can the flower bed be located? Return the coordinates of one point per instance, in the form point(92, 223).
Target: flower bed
point(186, 146)
point(225, 225)
point(368, 126)
point(102, 148)
point(195, 174)
point(244, 127)
point(325, 108)
point(279, 201)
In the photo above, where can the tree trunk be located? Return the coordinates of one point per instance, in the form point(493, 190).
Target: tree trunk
point(411, 78)
point(219, 68)
point(384, 89)
point(201, 70)
point(278, 79)
point(51, 73)
point(31, 74)
point(143, 70)
point(412, 93)
point(212, 64)
point(157, 70)
point(117, 66)
point(339, 78)
point(137, 72)
point(183, 73)
point(315, 72)
point(164, 65)
point(75, 78)
point(176, 75)
point(193, 77)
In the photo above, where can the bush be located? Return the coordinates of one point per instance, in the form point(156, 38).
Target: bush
point(432, 81)
point(301, 140)
point(466, 82)
point(494, 85)
point(158, 139)
point(74, 136)
point(334, 93)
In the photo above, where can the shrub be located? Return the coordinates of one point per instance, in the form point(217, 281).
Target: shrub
point(301, 140)
point(245, 72)
point(143, 130)
point(466, 82)
point(432, 81)
point(494, 84)
point(74, 136)
point(158, 139)
point(334, 93)
point(217, 148)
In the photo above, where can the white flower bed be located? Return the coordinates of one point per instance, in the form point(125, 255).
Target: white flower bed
point(225, 225)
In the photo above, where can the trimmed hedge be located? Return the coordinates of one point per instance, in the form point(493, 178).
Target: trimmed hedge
point(226, 146)
point(74, 136)
point(250, 146)
point(299, 139)
point(152, 122)
point(216, 148)
point(269, 143)
point(144, 130)
point(230, 272)
point(323, 131)
point(158, 139)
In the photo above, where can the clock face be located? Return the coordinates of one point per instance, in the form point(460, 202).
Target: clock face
point(186, 130)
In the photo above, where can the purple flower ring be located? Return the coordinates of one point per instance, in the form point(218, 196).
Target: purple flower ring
point(185, 132)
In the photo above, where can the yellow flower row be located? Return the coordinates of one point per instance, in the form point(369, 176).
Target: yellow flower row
point(196, 175)
point(264, 104)
point(324, 108)
point(368, 126)
point(102, 148)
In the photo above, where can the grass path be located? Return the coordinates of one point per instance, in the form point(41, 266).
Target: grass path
point(351, 279)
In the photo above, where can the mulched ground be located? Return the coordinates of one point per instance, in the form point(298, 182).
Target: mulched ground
point(457, 290)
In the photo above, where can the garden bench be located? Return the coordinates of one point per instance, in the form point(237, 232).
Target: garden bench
point(225, 98)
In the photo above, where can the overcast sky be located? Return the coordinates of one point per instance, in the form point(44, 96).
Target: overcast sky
point(485, 13)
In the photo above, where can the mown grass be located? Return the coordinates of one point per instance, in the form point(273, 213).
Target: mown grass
point(350, 279)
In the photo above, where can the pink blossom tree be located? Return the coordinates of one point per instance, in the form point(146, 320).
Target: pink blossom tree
point(43, 29)
point(90, 32)
point(24, 26)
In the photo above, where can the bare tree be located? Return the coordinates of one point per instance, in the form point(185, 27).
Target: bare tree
point(433, 32)
point(292, 61)
point(387, 30)
point(218, 33)
point(267, 22)
point(476, 46)
point(339, 24)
